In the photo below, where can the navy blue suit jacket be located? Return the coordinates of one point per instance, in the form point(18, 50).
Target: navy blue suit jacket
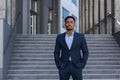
point(62, 52)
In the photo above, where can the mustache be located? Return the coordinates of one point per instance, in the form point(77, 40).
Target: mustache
point(69, 29)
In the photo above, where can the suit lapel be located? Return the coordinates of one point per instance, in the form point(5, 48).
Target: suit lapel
point(65, 41)
point(74, 40)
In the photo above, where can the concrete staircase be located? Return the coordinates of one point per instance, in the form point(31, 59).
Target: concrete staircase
point(32, 58)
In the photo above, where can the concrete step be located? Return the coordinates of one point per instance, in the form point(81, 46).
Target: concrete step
point(58, 79)
point(54, 44)
point(51, 38)
point(52, 48)
point(55, 76)
point(54, 35)
point(51, 42)
point(51, 54)
point(45, 63)
point(41, 52)
point(90, 58)
point(53, 63)
point(55, 71)
point(47, 51)
point(52, 59)
point(54, 66)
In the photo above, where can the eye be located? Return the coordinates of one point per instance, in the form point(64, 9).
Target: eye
point(71, 21)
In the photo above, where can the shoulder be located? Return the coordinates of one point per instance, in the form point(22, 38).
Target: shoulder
point(79, 34)
point(60, 35)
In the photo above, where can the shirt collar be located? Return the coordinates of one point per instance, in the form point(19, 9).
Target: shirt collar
point(71, 34)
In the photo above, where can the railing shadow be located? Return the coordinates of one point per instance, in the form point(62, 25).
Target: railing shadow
point(8, 40)
point(116, 34)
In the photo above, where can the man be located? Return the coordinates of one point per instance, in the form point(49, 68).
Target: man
point(67, 53)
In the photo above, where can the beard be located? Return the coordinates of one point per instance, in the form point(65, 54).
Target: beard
point(69, 28)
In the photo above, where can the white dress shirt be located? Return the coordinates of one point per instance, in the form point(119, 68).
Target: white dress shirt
point(69, 41)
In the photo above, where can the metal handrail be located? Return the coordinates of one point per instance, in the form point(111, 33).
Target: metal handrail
point(16, 20)
point(114, 18)
point(101, 21)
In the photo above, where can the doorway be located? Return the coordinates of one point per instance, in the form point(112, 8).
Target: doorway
point(33, 16)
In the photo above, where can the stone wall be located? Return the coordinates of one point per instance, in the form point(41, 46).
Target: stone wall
point(117, 15)
point(10, 12)
point(1, 48)
point(2, 8)
point(89, 15)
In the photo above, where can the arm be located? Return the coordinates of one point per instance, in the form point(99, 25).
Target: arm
point(85, 52)
point(57, 52)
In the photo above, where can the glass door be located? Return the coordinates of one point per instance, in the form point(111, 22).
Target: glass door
point(33, 16)
point(50, 21)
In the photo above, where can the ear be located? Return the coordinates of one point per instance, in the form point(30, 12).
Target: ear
point(64, 24)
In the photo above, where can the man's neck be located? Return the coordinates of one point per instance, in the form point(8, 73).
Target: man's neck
point(69, 33)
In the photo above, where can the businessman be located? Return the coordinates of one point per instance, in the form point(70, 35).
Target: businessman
point(67, 54)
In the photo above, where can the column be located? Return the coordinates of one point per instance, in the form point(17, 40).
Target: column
point(26, 16)
point(2, 8)
point(1, 48)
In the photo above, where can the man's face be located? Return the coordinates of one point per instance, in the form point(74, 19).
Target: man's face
point(69, 24)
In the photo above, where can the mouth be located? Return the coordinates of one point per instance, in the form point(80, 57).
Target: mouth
point(69, 28)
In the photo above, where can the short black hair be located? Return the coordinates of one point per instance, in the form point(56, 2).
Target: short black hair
point(69, 17)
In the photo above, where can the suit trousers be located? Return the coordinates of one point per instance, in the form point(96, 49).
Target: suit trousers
point(70, 70)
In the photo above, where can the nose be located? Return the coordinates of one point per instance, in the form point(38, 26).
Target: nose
point(69, 23)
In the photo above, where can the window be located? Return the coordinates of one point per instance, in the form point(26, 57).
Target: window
point(74, 1)
point(33, 6)
point(65, 13)
point(75, 22)
point(50, 21)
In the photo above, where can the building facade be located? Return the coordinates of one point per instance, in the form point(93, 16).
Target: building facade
point(99, 16)
point(40, 16)
point(47, 17)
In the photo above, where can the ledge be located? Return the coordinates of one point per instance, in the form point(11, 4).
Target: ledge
point(117, 37)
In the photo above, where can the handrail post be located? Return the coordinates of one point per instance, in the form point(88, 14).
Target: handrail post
point(105, 16)
point(113, 14)
point(8, 38)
